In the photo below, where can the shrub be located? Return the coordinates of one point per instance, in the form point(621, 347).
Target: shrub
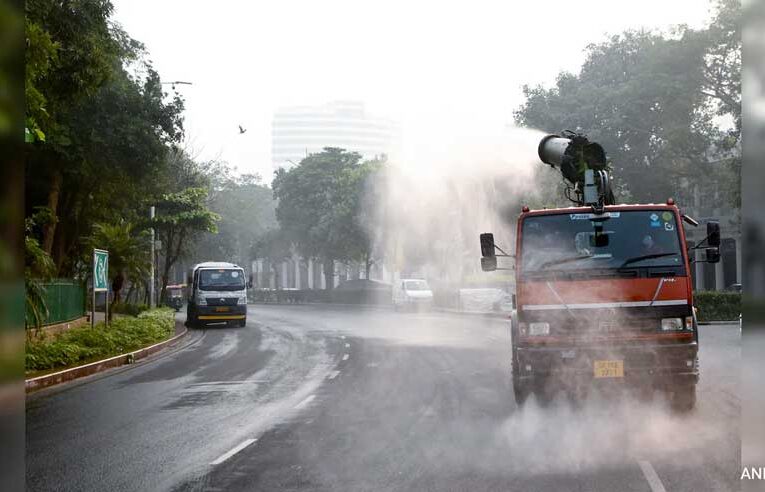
point(717, 306)
point(85, 344)
point(129, 309)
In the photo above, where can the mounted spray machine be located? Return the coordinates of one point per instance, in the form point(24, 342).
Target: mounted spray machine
point(583, 165)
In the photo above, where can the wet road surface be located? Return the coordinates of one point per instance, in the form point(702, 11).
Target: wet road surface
point(322, 398)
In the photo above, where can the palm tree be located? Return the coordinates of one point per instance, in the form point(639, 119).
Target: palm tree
point(129, 257)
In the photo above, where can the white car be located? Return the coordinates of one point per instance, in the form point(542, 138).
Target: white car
point(412, 294)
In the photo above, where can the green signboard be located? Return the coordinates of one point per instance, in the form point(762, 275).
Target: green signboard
point(100, 270)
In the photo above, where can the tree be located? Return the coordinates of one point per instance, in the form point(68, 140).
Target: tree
point(100, 132)
point(181, 217)
point(274, 247)
point(246, 207)
point(319, 204)
point(71, 54)
point(128, 253)
point(39, 267)
point(722, 85)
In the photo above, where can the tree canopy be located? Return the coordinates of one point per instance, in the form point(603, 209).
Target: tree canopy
point(320, 202)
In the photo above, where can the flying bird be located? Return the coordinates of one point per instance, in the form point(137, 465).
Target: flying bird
point(241, 130)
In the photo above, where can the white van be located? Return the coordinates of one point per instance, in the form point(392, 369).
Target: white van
point(217, 293)
point(410, 293)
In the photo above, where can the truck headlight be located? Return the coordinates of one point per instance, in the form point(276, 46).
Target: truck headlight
point(201, 301)
point(671, 324)
point(242, 300)
point(539, 329)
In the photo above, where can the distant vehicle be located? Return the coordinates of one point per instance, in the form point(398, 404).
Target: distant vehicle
point(734, 288)
point(174, 296)
point(412, 294)
point(217, 293)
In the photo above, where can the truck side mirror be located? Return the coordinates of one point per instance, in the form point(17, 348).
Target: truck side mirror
point(713, 255)
point(713, 233)
point(489, 263)
point(487, 247)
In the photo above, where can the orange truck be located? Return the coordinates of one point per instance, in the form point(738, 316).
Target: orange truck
point(604, 292)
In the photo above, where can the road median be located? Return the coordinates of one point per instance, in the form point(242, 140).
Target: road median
point(85, 351)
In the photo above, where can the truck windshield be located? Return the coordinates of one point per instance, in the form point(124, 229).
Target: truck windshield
point(416, 285)
point(583, 241)
point(221, 280)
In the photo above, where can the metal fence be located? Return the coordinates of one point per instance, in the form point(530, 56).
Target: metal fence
point(65, 299)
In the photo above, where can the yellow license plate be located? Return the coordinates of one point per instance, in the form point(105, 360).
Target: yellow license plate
point(608, 368)
point(221, 310)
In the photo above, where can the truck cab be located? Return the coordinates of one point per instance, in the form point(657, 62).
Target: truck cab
point(217, 293)
point(604, 298)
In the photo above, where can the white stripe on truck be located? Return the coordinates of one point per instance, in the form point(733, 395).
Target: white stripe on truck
point(603, 305)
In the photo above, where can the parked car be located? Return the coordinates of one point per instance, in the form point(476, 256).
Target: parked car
point(412, 294)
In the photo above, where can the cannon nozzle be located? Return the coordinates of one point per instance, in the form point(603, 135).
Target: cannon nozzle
point(572, 154)
point(582, 163)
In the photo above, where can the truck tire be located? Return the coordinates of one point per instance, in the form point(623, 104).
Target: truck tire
point(191, 320)
point(521, 393)
point(684, 399)
point(242, 323)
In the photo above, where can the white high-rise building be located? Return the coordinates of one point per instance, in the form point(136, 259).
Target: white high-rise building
point(299, 131)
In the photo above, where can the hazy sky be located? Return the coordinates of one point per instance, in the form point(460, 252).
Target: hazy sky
point(442, 69)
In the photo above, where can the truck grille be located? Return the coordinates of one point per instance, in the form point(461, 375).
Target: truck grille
point(222, 301)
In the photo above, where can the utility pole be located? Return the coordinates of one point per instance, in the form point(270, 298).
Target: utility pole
point(151, 281)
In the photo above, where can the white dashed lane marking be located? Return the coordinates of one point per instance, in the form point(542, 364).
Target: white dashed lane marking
point(333, 374)
point(652, 477)
point(347, 345)
point(231, 453)
point(346, 356)
point(305, 402)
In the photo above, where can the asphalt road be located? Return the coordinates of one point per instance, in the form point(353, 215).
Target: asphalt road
point(321, 398)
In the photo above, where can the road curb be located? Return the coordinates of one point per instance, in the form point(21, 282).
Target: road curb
point(73, 373)
point(478, 314)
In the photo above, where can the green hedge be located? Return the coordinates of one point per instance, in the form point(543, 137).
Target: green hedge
point(717, 306)
point(126, 308)
point(85, 344)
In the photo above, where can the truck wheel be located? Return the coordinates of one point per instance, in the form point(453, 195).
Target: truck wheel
point(193, 322)
point(242, 323)
point(684, 399)
point(521, 393)
point(543, 394)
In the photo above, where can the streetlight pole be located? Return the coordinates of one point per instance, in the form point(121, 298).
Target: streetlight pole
point(151, 281)
point(176, 82)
